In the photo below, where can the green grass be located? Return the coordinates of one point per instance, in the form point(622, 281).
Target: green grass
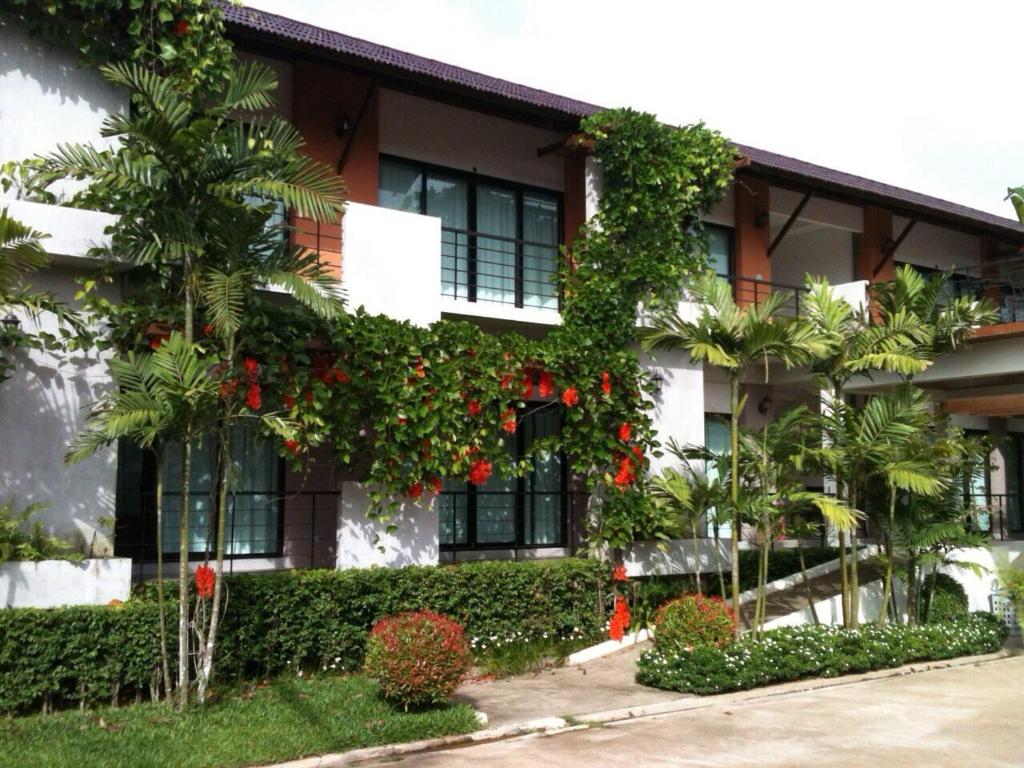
point(518, 657)
point(283, 720)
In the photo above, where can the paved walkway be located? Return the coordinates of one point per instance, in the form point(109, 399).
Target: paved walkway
point(602, 684)
point(970, 716)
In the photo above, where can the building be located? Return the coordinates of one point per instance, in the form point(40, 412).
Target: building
point(461, 192)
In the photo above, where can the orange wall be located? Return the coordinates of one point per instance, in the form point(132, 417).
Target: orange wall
point(320, 97)
point(874, 237)
point(751, 244)
point(574, 209)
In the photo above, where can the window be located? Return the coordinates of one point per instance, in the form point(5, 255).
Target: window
point(254, 519)
point(719, 249)
point(527, 511)
point(499, 241)
point(717, 439)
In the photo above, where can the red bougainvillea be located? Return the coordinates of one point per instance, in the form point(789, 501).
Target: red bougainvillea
point(415, 490)
point(546, 384)
point(570, 397)
point(480, 471)
point(205, 581)
point(435, 485)
point(625, 431)
point(417, 658)
point(619, 573)
point(626, 474)
point(606, 382)
point(251, 368)
point(473, 406)
point(509, 421)
point(252, 396)
point(292, 445)
point(620, 619)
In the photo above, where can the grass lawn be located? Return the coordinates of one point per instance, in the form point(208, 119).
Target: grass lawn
point(285, 719)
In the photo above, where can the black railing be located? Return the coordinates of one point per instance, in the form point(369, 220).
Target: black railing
point(294, 530)
point(751, 290)
point(505, 270)
point(1000, 514)
point(1000, 280)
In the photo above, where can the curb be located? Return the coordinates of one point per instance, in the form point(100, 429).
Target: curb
point(552, 726)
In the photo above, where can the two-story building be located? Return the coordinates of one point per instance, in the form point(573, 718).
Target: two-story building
point(462, 190)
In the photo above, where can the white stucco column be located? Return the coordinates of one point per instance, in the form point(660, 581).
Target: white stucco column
point(363, 542)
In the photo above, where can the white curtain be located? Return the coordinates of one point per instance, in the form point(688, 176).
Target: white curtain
point(495, 258)
point(447, 198)
point(543, 511)
point(401, 187)
point(540, 250)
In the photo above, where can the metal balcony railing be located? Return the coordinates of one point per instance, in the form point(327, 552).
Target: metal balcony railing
point(1000, 514)
point(505, 270)
point(750, 290)
point(1002, 281)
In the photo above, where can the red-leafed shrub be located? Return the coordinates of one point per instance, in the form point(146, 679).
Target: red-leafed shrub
point(694, 621)
point(418, 658)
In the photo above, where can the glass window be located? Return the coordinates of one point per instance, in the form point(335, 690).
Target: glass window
point(496, 256)
point(401, 187)
point(540, 250)
point(510, 512)
point(720, 250)
point(717, 440)
point(447, 198)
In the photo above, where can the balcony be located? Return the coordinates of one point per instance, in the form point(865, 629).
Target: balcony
point(1000, 514)
point(1001, 281)
point(750, 290)
point(72, 231)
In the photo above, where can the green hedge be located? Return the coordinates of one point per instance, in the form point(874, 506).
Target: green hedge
point(286, 620)
point(948, 598)
point(796, 652)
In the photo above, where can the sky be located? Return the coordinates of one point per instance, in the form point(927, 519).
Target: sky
point(924, 95)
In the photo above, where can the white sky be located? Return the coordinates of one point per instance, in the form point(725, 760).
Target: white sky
point(925, 95)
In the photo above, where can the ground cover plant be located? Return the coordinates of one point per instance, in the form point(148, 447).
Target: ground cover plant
point(282, 719)
point(792, 653)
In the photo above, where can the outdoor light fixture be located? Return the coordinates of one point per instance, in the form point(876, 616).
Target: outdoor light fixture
point(343, 126)
point(658, 381)
point(761, 219)
point(11, 322)
point(765, 405)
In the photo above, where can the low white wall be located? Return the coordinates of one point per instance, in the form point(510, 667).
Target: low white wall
point(72, 231)
point(979, 586)
point(646, 558)
point(830, 611)
point(363, 542)
point(51, 583)
point(391, 263)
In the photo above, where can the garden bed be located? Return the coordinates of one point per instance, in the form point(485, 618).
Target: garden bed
point(793, 653)
point(285, 719)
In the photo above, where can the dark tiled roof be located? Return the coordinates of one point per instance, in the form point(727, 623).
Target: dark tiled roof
point(284, 29)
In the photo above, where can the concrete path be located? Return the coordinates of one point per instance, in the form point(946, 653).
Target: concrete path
point(605, 683)
point(971, 715)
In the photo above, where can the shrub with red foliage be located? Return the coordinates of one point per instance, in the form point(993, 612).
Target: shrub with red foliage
point(694, 621)
point(418, 658)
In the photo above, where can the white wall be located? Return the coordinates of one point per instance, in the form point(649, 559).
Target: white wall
point(679, 409)
point(646, 558)
point(391, 263)
point(979, 586)
point(936, 247)
point(830, 611)
point(42, 407)
point(363, 542)
point(45, 98)
point(822, 251)
point(52, 583)
point(71, 232)
point(433, 132)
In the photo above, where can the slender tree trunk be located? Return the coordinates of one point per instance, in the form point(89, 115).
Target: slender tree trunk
point(854, 571)
point(696, 554)
point(912, 591)
point(718, 559)
point(887, 588)
point(844, 579)
point(183, 549)
point(223, 474)
point(734, 548)
point(931, 594)
point(807, 582)
point(165, 663)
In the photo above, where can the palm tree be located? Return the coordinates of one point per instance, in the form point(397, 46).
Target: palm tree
point(733, 338)
point(192, 181)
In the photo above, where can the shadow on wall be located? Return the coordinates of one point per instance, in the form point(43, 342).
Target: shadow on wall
point(43, 406)
point(363, 542)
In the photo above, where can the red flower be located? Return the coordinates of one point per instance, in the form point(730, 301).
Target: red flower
point(228, 388)
point(625, 431)
point(527, 392)
point(435, 485)
point(639, 453)
point(292, 445)
point(402, 420)
point(606, 383)
point(620, 619)
point(205, 579)
point(415, 490)
point(506, 381)
point(208, 329)
point(251, 368)
point(309, 396)
point(546, 384)
point(619, 573)
point(289, 401)
point(155, 342)
point(480, 471)
point(509, 424)
point(252, 396)
point(181, 27)
point(340, 376)
point(570, 396)
point(473, 406)
point(626, 474)
point(420, 370)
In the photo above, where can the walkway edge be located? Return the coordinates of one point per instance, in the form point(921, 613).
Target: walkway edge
point(549, 726)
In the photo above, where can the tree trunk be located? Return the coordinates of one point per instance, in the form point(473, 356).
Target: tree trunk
point(206, 659)
point(183, 549)
point(696, 554)
point(718, 559)
point(887, 587)
point(734, 547)
point(807, 582)
point(854, 572)
point(844, 579)
point(165, 663)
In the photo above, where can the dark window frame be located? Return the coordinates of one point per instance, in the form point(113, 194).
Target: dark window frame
point(730, 233)
point(472, 179)
point(472, 493)
point(135, 535)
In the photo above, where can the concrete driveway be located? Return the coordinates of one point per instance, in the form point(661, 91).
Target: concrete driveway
point(961, 716)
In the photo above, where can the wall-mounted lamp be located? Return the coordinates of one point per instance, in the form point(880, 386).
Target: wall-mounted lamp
point(765, 405)
point(11, 322)
point(761, 219)
point(343, 126)
point(657, 381)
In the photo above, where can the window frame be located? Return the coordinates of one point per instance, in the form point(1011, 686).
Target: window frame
point(472, 180)
point(519, 495)
point(143, 544)
point(730, 234)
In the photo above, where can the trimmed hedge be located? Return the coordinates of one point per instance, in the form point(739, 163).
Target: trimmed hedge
point(948, 600)
point(797, 652)
point(286, 620)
